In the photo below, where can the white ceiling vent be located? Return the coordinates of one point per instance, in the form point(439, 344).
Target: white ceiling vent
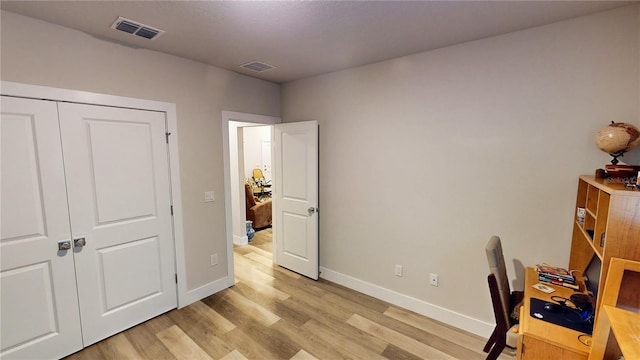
point(136, 28)
point(257, 66)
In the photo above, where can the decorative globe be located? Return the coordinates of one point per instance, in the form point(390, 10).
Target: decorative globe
point(617, 138)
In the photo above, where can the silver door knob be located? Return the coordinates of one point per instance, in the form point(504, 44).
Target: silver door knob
point(64, 245)
point(312, 210)
point(79, 242)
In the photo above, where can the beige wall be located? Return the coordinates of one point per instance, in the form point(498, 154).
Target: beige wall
point(36, 52)
point(424, 157)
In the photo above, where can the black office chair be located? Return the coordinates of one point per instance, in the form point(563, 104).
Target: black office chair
point(504, 301)
point(498, 339)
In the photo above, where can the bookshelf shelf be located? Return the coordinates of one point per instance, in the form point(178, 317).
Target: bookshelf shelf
point(588, 234)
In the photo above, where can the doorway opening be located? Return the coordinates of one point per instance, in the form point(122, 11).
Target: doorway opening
point(240, 158)
point(254, 160)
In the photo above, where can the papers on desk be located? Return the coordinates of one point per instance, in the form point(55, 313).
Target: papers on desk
point(543, 288)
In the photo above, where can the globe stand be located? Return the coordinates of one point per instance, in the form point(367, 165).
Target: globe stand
point(615, 156)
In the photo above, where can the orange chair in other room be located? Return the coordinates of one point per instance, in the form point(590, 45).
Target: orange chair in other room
point(257, 211)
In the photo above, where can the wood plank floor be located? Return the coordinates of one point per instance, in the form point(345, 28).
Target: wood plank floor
point(272, 313)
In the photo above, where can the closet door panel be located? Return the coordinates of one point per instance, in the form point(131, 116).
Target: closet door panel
point(39, 305)
point(119, 199)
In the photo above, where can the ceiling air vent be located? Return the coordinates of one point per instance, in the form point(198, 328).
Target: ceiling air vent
point(136, 28)
point(257, 66)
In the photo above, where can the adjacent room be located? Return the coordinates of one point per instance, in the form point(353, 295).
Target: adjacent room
point(319, 180)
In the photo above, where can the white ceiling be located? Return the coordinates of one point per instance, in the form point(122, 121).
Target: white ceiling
point(304, 38)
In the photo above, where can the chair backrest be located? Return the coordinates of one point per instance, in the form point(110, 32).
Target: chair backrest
point(499, 270)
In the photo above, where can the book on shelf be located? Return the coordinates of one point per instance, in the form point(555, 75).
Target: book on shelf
point(557, 282)
point(571, 280)
point(554, 272)
point(568, 281)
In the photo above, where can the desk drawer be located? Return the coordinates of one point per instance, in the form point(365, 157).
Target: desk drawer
point(536, 349)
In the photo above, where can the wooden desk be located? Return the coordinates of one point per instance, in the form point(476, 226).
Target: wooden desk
point(626, 334)
point(543, 340)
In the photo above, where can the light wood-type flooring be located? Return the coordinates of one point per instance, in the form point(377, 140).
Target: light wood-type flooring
point(273, 313)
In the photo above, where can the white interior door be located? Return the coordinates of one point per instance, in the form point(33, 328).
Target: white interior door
point(119, 202)
point(37, 282)
point(296, 196)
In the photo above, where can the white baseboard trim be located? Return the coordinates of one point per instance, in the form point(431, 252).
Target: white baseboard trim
point(205, 290)
point(446, 316)
point(240, 240)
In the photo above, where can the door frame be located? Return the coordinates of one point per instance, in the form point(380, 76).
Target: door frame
point(227, 132)
point(169, 109)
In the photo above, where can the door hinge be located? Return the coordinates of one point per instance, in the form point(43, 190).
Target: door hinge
point(167, 136)
point(171, 207)
point(176, 278)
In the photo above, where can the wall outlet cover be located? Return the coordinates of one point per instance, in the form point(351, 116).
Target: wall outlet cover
point(398, 270)
point(433, 279)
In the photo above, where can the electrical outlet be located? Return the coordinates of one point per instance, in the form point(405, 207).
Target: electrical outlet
point(433, 279)
point(214, 259)
point(398, 271)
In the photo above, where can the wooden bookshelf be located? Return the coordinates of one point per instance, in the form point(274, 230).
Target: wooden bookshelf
point(611, 226)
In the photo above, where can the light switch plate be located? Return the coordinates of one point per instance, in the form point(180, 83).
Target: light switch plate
point(209, 196)
point(214, 259)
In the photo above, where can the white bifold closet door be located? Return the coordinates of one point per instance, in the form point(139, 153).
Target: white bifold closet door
point(117, 176)
point(114, 169)
point(39, 301)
